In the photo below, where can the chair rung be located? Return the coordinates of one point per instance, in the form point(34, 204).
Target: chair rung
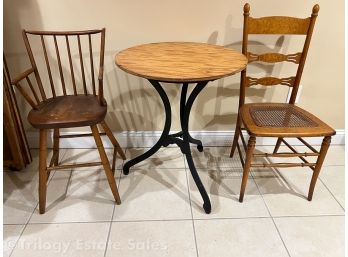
point(281, 165)
point(308, 145)
point(76, 165)
point(284, 154)
point(81, 135)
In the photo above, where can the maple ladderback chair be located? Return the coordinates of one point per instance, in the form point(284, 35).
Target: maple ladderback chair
point(74, 98)
point(278, 120)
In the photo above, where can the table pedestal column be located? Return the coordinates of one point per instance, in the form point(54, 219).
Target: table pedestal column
point(184, 143)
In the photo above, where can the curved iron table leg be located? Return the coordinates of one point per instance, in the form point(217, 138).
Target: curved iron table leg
point(182, 111)
point(186, 138)
point(183, 101)
point(165, 132)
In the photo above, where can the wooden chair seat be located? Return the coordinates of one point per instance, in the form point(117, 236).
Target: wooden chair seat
point(282, 120)
point(67, 111)
point(77, 99)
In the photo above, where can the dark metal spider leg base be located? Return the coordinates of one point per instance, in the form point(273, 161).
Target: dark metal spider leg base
point(182, 138)
point(165, 132)
point(187, 138)
point(182, 114)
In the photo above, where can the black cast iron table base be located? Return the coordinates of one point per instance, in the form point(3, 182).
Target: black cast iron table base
point(182, 139)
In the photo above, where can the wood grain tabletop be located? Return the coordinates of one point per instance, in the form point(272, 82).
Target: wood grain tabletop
point(181, 61)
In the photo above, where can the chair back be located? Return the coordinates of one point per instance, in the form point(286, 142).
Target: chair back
point(69, 63)
point(274, 25)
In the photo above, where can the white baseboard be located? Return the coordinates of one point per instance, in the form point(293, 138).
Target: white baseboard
point(149, 138)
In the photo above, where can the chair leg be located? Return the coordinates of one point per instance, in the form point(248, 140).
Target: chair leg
point(42, 170)
point(55, 156)
point(113, 140)
point(236, 136)
point(276, 148)
point(246, 168)
point(106, 164)
point(56, 145)
point(113, 167)
point(323, 150)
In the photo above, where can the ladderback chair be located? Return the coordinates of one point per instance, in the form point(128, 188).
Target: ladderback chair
point(64, 90)
point(278, 120)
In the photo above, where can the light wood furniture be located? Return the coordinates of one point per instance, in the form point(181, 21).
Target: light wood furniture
point(75, 99)
point(278, 120)
point(15, 149)
point(180, 61)
point(184, 63)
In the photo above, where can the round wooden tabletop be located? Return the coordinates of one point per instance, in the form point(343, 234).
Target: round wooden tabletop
point(181, 61)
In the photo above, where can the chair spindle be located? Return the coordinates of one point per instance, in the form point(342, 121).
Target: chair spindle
point(26, 96)
point(81, 62)
point(59, 64)
point(71, 65)
point(32, 90)
point(48, 66)
point(92, 66)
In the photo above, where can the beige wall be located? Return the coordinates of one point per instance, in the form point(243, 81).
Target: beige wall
point(135, 106)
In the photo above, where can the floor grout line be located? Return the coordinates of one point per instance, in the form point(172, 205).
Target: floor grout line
point(32, 213)
point(275, 225)
point(191, 208)
point(173, 220)
point(113, 210)
point(189, 195)
point(331, 193)
point(25, 226)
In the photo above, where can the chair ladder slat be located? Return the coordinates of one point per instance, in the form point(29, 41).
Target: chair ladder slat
point(92, 66)
point(71, 65)
point(270, 81)
point(274, 57)
point(32, 90)
point(81, 62)
point(48, 66)
point(59, 64)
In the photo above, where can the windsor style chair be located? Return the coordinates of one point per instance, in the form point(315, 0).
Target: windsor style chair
point(278, 120)
point(72, 99)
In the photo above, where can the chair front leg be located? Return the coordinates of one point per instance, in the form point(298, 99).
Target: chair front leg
point(113, 140)
point(323, 150)
point(56, 145)
point(42, 170)
point(236, 136)
point(247, 164)
point(106, 164)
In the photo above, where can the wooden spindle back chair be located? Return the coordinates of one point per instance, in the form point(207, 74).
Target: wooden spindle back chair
point(278, 120)
point(64, 90)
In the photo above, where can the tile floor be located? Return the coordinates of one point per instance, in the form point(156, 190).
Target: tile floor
point(161, 213)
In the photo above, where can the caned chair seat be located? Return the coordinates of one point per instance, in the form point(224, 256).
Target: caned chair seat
point(282, 120)
point(68, 111)
point(278, 120)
